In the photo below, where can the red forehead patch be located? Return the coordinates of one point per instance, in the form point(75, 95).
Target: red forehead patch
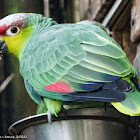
point(3, 29)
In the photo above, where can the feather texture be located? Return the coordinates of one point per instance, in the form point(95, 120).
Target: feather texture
point(85, 59)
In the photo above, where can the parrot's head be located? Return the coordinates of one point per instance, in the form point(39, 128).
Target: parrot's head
point(17, 29)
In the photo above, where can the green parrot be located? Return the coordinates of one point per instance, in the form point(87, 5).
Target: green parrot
point(70, 63)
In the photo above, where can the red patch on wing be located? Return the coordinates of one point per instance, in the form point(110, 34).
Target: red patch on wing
point(3, 29)
point(59, 87)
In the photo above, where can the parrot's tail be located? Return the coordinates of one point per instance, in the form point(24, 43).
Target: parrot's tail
point(131, 105)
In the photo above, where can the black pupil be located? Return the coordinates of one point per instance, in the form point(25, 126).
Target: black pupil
point(14, 30)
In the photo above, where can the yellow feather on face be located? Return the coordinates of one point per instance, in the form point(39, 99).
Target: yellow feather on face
point(17, 42)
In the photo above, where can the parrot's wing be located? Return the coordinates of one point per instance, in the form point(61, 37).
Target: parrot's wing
point(76, 54)
point(33, 94)
point(93, 23)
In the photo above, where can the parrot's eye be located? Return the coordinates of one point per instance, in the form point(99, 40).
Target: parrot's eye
point(13, 30)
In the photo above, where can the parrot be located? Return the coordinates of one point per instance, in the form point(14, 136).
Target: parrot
point(70, 62)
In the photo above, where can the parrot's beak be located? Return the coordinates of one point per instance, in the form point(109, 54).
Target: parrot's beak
point(3, 47)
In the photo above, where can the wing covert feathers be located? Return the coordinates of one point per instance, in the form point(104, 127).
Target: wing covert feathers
point(84, 57)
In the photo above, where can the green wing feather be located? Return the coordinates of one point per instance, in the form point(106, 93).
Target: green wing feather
point(63, 49)
point(76, 53)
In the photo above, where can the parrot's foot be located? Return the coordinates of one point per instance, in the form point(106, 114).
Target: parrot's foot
point(51, 106)
point(49, 117)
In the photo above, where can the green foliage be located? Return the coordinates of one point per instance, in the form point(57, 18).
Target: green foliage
point(11, 6)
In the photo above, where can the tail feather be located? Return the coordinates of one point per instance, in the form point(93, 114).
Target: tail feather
point(131, 105)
